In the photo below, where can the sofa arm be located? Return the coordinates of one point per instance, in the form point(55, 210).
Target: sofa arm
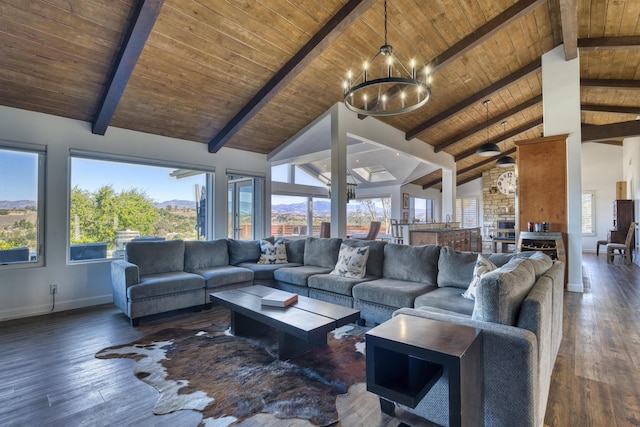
point(123, 275)
point(510, 379)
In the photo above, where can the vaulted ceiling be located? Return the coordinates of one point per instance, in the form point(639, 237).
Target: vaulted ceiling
point(249, 74)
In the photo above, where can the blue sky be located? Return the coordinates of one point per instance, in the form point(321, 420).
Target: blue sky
point(154, 181)
point(18, 180)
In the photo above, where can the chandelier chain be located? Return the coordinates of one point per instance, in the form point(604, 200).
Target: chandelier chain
point(385, 22)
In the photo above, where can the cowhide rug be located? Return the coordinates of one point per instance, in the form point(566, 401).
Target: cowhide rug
point(230, 378)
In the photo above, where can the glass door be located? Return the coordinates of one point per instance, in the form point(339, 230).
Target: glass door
point(243, 197)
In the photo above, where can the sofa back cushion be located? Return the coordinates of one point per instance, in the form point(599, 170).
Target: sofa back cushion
point(500, 292)
point(243, 251)
point(200, 254)
point(156, 257)
point(411, 263)
point(455, 269)
point(376, 254)
point(322, 252)
point(295, 250)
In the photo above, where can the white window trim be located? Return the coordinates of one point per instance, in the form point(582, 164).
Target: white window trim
point(593, 213)
point(41, 151)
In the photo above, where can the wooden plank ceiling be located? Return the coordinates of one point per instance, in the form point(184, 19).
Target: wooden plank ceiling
point(248, 74)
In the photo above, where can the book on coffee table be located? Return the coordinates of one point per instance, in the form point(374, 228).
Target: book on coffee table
point(279, 299)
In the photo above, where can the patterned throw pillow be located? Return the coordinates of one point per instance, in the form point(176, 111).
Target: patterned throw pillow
point(275, 253)
point(352, 262)
point(483, 266)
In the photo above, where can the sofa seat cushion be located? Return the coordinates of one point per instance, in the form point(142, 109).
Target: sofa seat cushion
point(156, 257)
point(336, 284)
point(225, 275)
point(265, 271)
point(500, 292)
point(200, 254)
point(164, 284)
point(391, 292)
point(322, 252)
point(299, 275)
point(411, 263)
point(449, 299)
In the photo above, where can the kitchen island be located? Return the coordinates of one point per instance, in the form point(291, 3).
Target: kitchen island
point(451, 234)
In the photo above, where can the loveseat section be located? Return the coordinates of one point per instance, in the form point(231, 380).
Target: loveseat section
point(152, 280)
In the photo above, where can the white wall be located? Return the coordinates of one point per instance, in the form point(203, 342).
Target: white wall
point(601, 169)
point(25, 291)
point(417, 191)
point(631, 174)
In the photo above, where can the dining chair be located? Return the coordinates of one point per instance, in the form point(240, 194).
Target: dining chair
point(325, 229)
point(374, 229)
point(624, 249)
point(396, 232)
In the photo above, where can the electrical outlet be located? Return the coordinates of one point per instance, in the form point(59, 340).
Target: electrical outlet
point(53, 288)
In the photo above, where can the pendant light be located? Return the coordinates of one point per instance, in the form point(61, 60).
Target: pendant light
point(505, 161)
point(488, 149)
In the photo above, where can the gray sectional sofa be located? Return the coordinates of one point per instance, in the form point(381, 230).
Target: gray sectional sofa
point(518, 305)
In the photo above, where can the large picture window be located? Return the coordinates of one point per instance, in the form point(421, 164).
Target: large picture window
point(114, 202)
point(21, 206)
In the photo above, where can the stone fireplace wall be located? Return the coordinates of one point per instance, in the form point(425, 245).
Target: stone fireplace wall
point(496, 206)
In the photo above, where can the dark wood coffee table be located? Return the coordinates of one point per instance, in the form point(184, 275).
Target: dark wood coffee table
point(301, 326)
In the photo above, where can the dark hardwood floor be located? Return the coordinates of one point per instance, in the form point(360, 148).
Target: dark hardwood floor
point(50, 377)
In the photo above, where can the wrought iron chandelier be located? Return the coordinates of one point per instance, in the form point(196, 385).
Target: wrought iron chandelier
point(386, 87)
point(351, 187)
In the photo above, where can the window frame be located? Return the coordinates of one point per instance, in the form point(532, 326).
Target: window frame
point(41, 152)
point(592, 193)
point(135, 161)
point(460, 219)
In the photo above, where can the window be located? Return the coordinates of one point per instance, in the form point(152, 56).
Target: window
point(113, 202)
point(21, 205)
point(296, 215)
point(360, 213)
point(588, 213)
point(467, 212)
point(421, 209)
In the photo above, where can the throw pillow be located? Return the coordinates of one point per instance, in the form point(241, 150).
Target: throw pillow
point(352, 262)
point(482, 267)
point(273, 253)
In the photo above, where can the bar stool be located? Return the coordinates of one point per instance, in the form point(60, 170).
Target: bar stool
point(600, 243)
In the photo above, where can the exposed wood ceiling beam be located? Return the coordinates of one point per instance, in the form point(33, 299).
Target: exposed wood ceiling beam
point(142, 22)
point(610, 109)
point(513, 132)
point(477, 37)
point(608, 132)
point(615, 142)
point(610, 83)
point(486, 31)
point(569, 18)
point(312, 49)
point(478, 97)
point(609, 43)
point(472, 167)
point(493, 121)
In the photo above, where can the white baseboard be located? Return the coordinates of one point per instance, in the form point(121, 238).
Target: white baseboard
point(64, 305)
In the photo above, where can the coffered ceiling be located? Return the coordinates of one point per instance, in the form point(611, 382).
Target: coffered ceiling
point(249, 74)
